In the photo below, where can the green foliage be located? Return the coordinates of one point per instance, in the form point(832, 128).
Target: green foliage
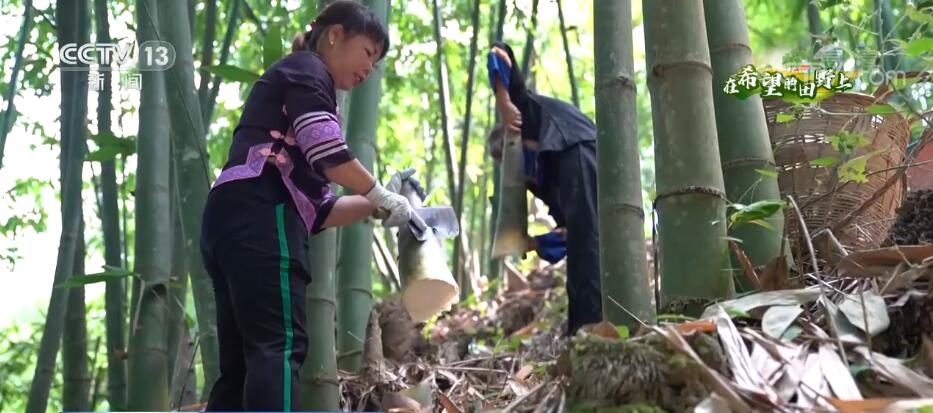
point(847, 142)
point(825, 161)
point(272, 46)
point(854, 170)
point(919, 46)
point(880, 109)
point(109, 147)
point(755, 213)
point(109, 274)
point(234, 74)
point(19, 344)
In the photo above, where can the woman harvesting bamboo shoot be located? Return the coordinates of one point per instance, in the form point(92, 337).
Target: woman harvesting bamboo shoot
point(273, 192)
point(559, 144)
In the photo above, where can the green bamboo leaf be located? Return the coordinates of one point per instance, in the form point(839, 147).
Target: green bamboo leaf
point(785, 117)
point(272, 46)
point(919, 46)
point(767, 172)
point(761, 223)
point(755, 212)
point(880, 109)
point(109, 274)
point(846, 142)
point(854, 170)
point(234, 74)
point(825, 161)
point(623, 331)
point(902, 83)
point(918, 16)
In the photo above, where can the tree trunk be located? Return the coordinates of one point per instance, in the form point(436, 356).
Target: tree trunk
point(621, 216)
point(7, 117)
point(232, 24)
point(114, 295)
point(495, 265)
point(148, 358)
point(354, 271)
point(73, 125)
point(76, 378)
point(190, 160)
point(178, 291)
point(690, 195)
point(530, 40)
point(460, 251)
point(443, 87)
point(744, 143)
point(207, 54)
point(563, 34)
point(319, 373)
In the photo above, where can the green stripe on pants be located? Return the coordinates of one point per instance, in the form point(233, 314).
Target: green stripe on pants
point(286, 306)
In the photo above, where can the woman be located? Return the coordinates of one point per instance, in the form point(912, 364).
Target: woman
point(559, 144)
point(273, 192)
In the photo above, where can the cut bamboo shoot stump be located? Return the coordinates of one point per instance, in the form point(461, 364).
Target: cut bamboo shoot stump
point(428, 287)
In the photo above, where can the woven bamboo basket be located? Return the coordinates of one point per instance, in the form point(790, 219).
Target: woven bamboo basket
point(825, 200)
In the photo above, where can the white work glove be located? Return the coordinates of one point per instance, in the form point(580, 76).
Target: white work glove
point(397, 206)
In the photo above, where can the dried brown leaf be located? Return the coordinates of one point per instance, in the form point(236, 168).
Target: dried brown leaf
point(880, 261)
point(895, 371)
point(769, 368)
point(524, 372)
point(879, 405)
point(743, 371)
point(747, 267)
point(690, 327)
point(448, 405)
point(765, 299)
point(837, 374)
point(775, 275)
point(713, 404)
point(400, 403)
point(812, 387)
point(605, 329)
point(777, 319)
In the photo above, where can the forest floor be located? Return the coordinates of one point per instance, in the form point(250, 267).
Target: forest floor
point(847, 331)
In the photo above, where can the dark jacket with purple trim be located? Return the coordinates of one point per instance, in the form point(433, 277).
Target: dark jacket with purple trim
point(290, 121)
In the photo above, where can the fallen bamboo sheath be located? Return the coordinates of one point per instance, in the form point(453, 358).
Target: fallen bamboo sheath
point(512, 225)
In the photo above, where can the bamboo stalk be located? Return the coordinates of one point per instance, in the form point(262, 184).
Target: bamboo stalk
point(148, 359)
point(563, 34)
point(621, 217)
point(744, 143)
point(114, 295)
point(691, 199)
point(460, 249)
point(12, 87)
point(72, 159)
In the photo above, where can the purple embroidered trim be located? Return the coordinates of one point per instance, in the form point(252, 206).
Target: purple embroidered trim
point(251, 169)
point(255, 161)
point(317, 133)
point(306, 209)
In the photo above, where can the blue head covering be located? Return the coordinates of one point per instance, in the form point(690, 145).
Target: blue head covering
point(498, 67)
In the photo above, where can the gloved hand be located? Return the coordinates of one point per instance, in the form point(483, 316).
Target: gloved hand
point(551, 247)
point(406, 175)
point(397, 206)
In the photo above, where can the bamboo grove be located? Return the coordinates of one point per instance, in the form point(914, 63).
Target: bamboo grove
point(677, 157)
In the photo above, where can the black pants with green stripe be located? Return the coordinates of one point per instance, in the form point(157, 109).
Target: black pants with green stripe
point(254, 246)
